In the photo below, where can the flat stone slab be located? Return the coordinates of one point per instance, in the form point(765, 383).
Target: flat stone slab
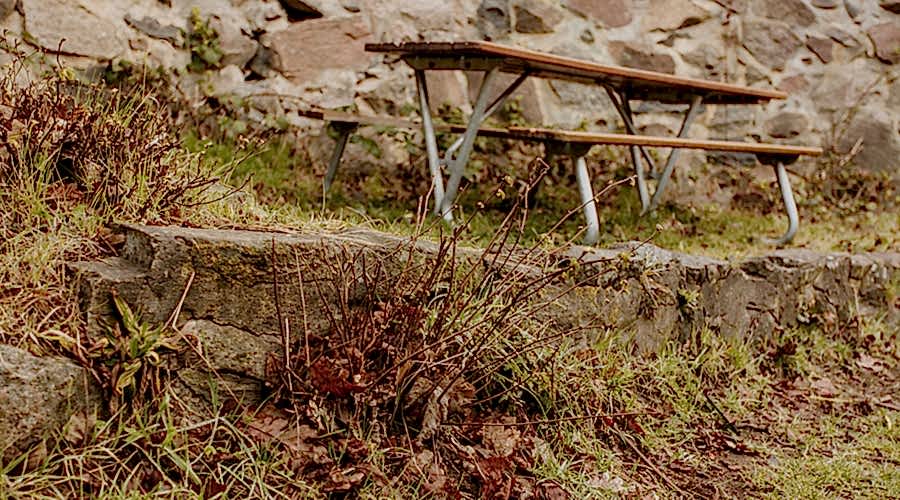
point(227, 280)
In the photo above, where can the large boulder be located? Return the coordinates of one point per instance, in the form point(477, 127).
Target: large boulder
point(880, 149)
point(38, 395)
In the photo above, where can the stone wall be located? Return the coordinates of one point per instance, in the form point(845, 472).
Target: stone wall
point(838, 59)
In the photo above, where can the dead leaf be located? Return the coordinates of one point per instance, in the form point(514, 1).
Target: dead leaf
point(607, 482)
point(503, 440)
point(824, 387)
point(867, 362)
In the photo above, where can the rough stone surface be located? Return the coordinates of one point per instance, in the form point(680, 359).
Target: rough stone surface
point(154, 29)
point(37, 396)
point(609, 13)
point(494, 20)
point(638, 56)
point(794, 12)
point(825, 4)
point(536, 16)
point(886, 38)
point(83, 27)
point(771, 43)
point(821, 47)
point(328, 45)
point(786, 125)
point(671, 15)
point(880, 140)
point(636, 287)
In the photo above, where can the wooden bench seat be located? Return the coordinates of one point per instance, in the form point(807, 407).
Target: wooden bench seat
point(534, 134)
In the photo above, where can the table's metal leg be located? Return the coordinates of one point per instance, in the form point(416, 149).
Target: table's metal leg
point(789, 204)
point(643, 191)
point(491, 109)
point(434, 165)
point(622, 104)
point(592, 235)
point(458, 164)
point(345, 129)
point(674, 154)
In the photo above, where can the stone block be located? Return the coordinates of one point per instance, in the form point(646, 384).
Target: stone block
point(304, 51)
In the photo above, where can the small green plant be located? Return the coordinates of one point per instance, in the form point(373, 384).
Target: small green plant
point(203, 42)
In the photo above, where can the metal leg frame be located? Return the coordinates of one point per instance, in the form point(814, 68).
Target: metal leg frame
point(457, 165)
point(592, 234)
point(491, 109)
point(345, 129)
point(674, 154)
point(434, 164)
point(623, 106)
point(789, 204)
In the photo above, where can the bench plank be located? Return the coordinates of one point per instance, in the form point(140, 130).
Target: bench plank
point(640, 84)
point(552, 135)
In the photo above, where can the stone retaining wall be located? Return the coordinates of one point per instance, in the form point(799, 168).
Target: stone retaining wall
point(838, 59)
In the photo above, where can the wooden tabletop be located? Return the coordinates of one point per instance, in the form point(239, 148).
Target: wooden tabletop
point(639, 84)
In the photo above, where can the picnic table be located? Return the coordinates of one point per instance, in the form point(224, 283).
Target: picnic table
point(622, 85)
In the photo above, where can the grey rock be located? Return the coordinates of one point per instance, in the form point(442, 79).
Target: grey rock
point(230, 304)
point(880, 141)
point(536, 16)
point(786, 125)
point(641, 57)
point(793, 83)
point(772, 43)
point(493, 19)
point(709, 59)
point(821, 47)
point(670, 15)
point(793, 12)
point(841, 36)
point(609, 13)
point(825, 4)
point(80, 28)
point(886, 38)
point(327, 44)
point(38, 395)
point(154, 29)
point(853, 10)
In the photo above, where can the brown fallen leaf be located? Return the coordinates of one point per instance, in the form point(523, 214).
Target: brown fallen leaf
point(867, 362)
point(824, 387)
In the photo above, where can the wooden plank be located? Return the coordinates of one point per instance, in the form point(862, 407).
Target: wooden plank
point(553, 135)
point(641, 84)
point(656, 141)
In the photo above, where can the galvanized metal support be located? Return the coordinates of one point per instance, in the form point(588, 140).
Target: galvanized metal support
point(434, 164)
point(673, 155)
point(491, 109)
point(787, 195)
point(457, 165)
point(344, 131)
point(592, 233)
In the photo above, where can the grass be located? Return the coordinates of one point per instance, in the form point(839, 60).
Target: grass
point(808, 413)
